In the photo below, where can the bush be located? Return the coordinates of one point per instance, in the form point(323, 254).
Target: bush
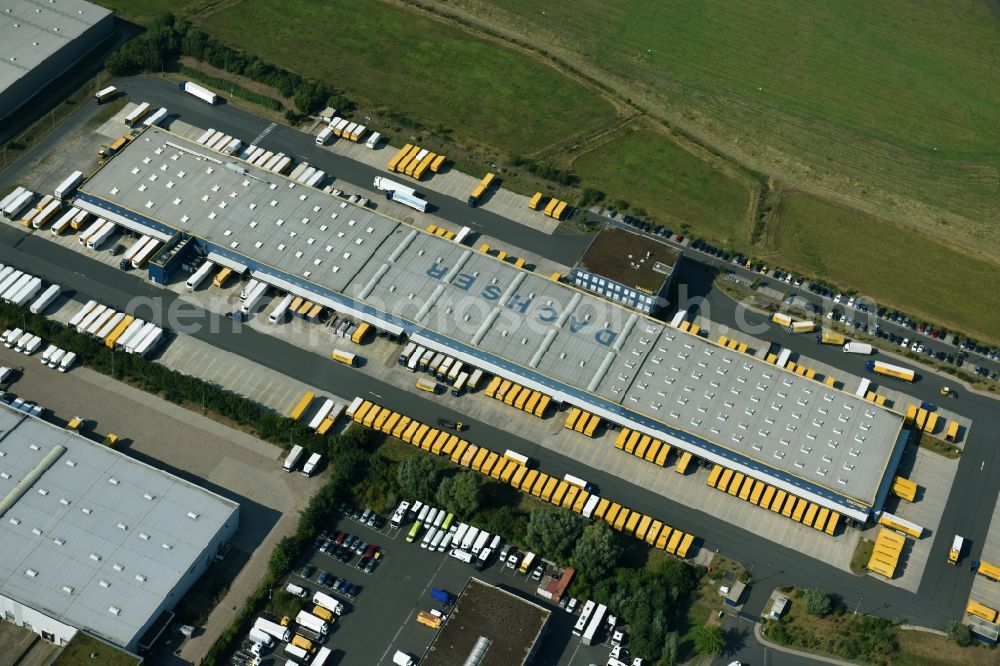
point(709, 640)
point(817, 601)
point(959, 633)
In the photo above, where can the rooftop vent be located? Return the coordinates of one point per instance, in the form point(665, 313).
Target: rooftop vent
point(114, 610)
point(30, 573)
point(67, 589)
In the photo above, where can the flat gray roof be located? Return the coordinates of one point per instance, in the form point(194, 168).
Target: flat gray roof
point(506, 626)
point(33, 30)
point(572, 344)
point(86, 529)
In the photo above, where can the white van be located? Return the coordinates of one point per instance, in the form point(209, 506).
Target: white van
point(403, 659)
point(297, 590)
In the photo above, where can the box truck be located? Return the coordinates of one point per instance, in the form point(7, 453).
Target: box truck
point(858, 348)
point(312, 622)
point(293, 458)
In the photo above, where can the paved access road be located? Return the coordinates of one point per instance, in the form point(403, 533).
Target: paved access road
point(248, 127)
point(774, 565)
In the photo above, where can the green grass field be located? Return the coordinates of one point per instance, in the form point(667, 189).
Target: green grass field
point(895, 103)
point(652, 172)
point(386, 56)
point(143, 11)
point(901, 267)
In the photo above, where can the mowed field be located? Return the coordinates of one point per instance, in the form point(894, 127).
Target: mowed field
point(896, 103)
point(676, 187)
point(143, 11)
point(940, 284)
point(389, 57)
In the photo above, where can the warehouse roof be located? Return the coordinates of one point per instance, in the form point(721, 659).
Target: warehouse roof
point(504, 626)
point(720, 404)
point(632, 259)
point(33, 30)
point(92, 537)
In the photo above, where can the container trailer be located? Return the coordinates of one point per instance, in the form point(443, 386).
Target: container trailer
point(201, 93)
point(137, 114)
point(155, 118)
point(69, 185)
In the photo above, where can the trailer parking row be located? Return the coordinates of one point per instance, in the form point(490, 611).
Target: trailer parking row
point(415, 161)
point(461, 376)
point(116, 330)
point(780, 501)
point(511, 393)
point(512, 470)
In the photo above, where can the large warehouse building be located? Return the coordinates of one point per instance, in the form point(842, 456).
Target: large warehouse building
point(95, 540)
point(817, 442)
point(40, 40)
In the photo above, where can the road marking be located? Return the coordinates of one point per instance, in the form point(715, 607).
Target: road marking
point(260, 137)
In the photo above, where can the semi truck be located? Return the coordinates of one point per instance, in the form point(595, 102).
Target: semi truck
point(803, 327)
point(310, 621)
point(481, 189)
point(890, 370)
point(68, 185)
point(858, 348)
point(105, 94)
point(831, 338)
point(203, 94)
point(292, 459)
point(274, 629)
point(408, 200)
point(386, 185)
point(254, 298)
point(328, 602)
point(956, 550)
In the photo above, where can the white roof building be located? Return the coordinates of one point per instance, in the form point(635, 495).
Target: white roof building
point(93, 539)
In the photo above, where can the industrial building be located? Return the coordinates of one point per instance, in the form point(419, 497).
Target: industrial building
point(41, 40)
point(94, 540)
point(820, 443)
point(489, 627)
point(628, 268)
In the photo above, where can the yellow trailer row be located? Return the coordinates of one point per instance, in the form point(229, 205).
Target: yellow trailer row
point(734, 344)
point(555, 208)
point(440, 231)
point(643, 446)
point(693, 329)
point(511, 393)
point(801, 370)
point(927, 421)
point(512, 471)
point(766, 496)
point(414, 161)
point(582, 421)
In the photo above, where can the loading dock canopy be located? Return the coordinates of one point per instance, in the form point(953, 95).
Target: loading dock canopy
point(121, 220)
point(292, 288)
point(227, 262)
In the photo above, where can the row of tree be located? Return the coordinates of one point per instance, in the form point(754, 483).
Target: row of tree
point(167, 38)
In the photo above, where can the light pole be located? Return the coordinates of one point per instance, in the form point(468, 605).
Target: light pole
point(860, 599)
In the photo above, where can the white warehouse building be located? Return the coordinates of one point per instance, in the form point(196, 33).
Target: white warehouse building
point(95, 540)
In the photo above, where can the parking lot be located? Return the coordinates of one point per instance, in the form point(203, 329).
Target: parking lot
point(381, 618)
